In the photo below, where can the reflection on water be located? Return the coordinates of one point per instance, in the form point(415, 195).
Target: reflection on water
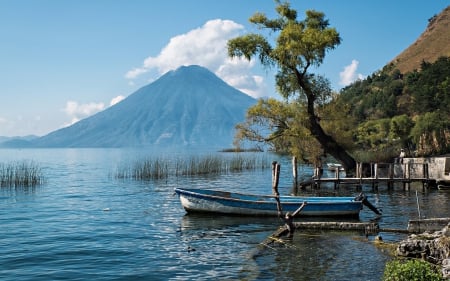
point(83, 224)
point(309, 256)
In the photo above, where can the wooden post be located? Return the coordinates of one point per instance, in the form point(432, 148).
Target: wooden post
point(404, 176)
point(295, 171)
point(426, 175)
point(317, 176)
point(275, 178)
point(375, 175)
point(391, 176)
point(360, 173)
point(409, 175)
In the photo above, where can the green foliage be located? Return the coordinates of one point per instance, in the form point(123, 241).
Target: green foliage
point(383, 112)
point(373, 133)
point(386, 136)
point(410, 270)
point(279, 124)
point(337, 121)
point(300, 44)
point(293, 125)
point(416, 103)
point(431, 89)
point(431, 133)
point(399, 129)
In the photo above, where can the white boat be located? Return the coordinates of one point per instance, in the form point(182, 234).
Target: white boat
point(335, 166)
point(231, 203)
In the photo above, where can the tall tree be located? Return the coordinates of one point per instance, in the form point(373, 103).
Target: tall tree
point(299, 46)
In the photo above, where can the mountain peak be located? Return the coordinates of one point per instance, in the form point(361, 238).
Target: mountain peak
point(190, 69)
point(192, 72)
point(189, 106)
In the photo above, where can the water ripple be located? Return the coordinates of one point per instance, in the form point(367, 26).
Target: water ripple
point(85, 225)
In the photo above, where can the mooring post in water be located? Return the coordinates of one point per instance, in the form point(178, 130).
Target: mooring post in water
point(390, 183)
point(359, 173)
point(275, 178)
point(288, 218)
point(295, 171)
point(418, 208)
point(426, 176)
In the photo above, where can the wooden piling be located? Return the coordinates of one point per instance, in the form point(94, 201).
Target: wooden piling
point(275, 178)
point(295, 171)
point(390, 182)
point(426, 176)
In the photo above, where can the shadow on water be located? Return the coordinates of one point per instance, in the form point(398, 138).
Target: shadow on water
point(193, 222)
point(321, 255)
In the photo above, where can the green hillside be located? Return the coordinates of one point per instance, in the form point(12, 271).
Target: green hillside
point(404, 105)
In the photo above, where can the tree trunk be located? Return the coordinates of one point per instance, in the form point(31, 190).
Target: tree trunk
point(328, 143)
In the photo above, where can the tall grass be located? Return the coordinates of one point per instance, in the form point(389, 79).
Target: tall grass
point(192, 166)
point(215, 164)
point(20, 174)
point(197, 165)
point(146, 169)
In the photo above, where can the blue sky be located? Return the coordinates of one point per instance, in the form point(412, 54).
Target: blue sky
point(62, 61)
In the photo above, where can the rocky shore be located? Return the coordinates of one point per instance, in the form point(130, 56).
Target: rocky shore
point(432, 247)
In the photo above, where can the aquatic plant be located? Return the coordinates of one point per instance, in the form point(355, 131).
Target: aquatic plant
point(20, 174)
point(410, 270)
point(159, 168)
point(215, 164)
point(145, 170)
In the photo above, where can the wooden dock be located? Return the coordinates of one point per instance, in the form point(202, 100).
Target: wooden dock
point(432, 224)
point(368, 228)
point(375, 174)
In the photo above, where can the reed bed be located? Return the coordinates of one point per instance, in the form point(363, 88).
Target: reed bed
point(146, 169)
point(192, 166)
point(214, 164)
point(20, 174)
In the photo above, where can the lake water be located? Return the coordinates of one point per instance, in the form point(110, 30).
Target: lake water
point(85, 224)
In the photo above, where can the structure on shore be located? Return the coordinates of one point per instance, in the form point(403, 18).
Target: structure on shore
point(428, 171)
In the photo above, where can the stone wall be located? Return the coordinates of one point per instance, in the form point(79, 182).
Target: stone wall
point(438, 167)
point(432, 247)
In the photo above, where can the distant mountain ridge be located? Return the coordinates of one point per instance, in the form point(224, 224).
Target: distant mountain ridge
point(433, 43)
point(17, 141)
point(187, 107)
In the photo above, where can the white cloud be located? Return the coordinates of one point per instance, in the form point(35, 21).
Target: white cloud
point(135, 72)
point(349, 75)
point(206, 46)
point(116, 100)
point(76, 111)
